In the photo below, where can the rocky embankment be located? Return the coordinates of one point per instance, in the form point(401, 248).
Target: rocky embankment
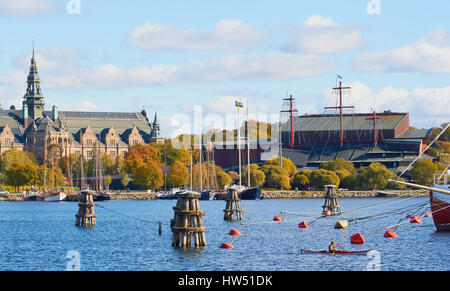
point(265, 195)
point(342, 194)
point(120, 196)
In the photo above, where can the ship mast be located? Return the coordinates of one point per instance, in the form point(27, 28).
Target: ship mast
point(341, 107)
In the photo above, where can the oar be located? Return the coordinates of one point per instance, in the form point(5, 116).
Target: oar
point(345, 232)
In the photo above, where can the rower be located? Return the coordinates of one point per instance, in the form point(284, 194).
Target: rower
point(332, 247)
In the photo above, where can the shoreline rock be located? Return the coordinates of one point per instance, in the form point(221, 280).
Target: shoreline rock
point(342, 194)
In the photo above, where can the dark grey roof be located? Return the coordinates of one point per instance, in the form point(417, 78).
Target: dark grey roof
point(359, 121)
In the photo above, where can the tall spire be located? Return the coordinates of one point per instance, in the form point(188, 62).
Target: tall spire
point(156, 131)
point(33, 96)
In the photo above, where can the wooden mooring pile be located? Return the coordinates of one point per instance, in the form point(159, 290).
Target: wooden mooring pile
point(233, 206)
point(331, 205)
point(86, 216)
point(188, 221)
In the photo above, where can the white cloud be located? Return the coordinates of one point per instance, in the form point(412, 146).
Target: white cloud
point(430, 54)
point(264, 67)
point(227, 35)
point(62, 68)
point(427, 107)
point(320, 35)
point(27, 7)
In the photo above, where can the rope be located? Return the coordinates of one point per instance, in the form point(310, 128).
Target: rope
point(128, 216)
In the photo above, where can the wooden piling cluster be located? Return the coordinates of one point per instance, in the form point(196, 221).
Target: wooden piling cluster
point(86, 216)
point(232, 206)
point(331, 201)
point(188, 221)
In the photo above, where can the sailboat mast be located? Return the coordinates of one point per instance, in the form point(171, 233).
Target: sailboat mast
point(191, 168)
point(248, 149)
point(239, 148)
point(45, 163)
point(201, 166)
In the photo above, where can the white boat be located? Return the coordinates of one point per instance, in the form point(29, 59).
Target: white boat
point(55, 197)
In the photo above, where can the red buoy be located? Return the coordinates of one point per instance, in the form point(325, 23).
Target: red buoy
point(428, 215)
point(416, 219)
point(390, 234)
point(277, 218)
point(234, 232)
point(326, 212)
point(408, 216)
point(357, 239)
point(227, 246)
point(303, 224)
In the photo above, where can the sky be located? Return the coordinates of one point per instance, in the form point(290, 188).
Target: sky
point(183, 57)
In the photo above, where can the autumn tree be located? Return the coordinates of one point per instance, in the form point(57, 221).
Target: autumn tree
point(320, 178)
point(276, 177)
point(339, 164)
point(287, 164)
point(375, 176)
point(300, 181)
point(223, 179)
point(19, 174)
point(149, 175)
point(125, 181)
point(257, 177)
point(178, 174)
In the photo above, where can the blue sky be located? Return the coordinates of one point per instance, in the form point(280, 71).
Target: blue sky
point(170, 56)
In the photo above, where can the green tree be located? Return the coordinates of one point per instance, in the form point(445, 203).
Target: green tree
point(300, 181)
point(339, 164)
point(19, 174)
point(423, 172)
point(288, 165)
point(108, 180)
point(223, 179)
point(257, 177)
point(276, 177)
point(320, 178)
point(125, 180)
point(375, 176)
point(233, 175)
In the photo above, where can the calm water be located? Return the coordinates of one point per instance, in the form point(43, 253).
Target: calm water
point(38, 236)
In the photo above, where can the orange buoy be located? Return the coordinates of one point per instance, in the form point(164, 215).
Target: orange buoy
point(416, 219)
point(227, 246)
point(428, 215)
point(357, 239)
point(303, 224)
point(326, 212)
point(234, 232)
point(390, 234)
point(277, 218)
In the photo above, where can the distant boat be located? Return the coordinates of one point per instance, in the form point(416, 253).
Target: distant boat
point(31, 196)
point(208, 195)
point(172, 194)
point(250, 194)
point(55, 197)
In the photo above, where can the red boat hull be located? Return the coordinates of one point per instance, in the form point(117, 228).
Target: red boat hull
point(336, 252)
point(441, 211)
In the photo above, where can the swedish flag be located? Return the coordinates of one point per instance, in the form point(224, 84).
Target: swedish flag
point(238, 104)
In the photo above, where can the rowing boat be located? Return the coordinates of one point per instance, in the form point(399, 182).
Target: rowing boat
point(338, 252)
